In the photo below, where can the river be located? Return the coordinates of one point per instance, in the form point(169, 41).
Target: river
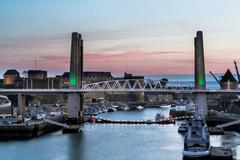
point(110, 142)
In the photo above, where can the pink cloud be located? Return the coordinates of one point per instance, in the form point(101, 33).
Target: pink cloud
point(138, 62)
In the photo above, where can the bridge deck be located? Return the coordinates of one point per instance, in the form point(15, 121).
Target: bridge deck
point(65, 91)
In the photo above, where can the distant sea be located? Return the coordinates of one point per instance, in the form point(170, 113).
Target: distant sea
point(187, 80)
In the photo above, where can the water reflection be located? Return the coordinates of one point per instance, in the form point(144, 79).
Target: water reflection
point(110, 142)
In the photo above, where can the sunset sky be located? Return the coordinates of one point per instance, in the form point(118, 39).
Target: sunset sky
point(137, 36)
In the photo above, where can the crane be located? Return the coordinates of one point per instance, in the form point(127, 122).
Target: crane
point(238, 76)
point(215, 78)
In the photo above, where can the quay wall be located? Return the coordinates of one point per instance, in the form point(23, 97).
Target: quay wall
point(13, 132)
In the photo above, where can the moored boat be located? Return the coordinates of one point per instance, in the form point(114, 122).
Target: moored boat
point(197, 140)
point(139, 107)
point(165, 106)
point(159, 116)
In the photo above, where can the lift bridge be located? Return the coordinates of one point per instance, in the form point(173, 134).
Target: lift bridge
point(122, 85)
point(77, 87)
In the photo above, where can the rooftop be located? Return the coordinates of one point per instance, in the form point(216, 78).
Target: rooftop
point(107, 74)
point(228, 76)
point(11, 72)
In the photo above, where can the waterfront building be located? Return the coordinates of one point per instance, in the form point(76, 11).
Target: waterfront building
point(11, 79)
point(88, 77)
point(228, 81)
point(37, 74)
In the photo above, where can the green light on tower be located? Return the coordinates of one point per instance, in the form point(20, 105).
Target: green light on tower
point(201, 80)
point(73, 80)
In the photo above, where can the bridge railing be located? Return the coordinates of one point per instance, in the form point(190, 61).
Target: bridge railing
point(132, 84)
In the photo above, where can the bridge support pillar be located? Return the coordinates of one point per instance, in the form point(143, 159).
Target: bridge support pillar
point(200, 81)
point(21, 104)
point(75, 100)
point(75, 113)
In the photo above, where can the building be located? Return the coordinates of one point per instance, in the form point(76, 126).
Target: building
point(10, 77)
point(37, 79)
point(64, 79)
point(228, 81)
point(37, 74)
point(88, 77)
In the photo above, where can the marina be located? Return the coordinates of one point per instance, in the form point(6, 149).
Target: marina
point(127, 93)
point(160, 141)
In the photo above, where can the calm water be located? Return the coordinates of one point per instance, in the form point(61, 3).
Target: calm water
point(109, 142)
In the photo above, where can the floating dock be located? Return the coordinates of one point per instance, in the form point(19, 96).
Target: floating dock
point(109, 121)
point(220, 153)
point(26, 130)
point(216, 131)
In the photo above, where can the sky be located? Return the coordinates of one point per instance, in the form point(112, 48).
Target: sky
point(149, 37)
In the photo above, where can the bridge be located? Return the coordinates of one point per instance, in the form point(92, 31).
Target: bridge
point(77, 87)
point(122, 85)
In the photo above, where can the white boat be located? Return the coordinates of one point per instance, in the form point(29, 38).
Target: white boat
point(159, 116)
point(165, 106)
point(112, 109)
point(126, 108)
point(183, 127)
point(105, 110)
point(139, 107)
point(197, 140)
point(41, 116)
point(4, 102)
point(196, 153)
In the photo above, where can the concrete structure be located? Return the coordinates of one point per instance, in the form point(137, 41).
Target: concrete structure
point(200, 81)
point(75, 100)
point(21, 104)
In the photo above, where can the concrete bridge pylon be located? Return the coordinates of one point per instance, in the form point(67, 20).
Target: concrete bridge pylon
point(199, 78)
point(75, 100)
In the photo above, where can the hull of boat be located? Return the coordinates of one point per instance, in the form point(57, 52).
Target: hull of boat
point(192, 154)
point(165, 106)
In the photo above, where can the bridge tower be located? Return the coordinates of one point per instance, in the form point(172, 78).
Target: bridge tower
point(200, 80)
point(75, 100)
